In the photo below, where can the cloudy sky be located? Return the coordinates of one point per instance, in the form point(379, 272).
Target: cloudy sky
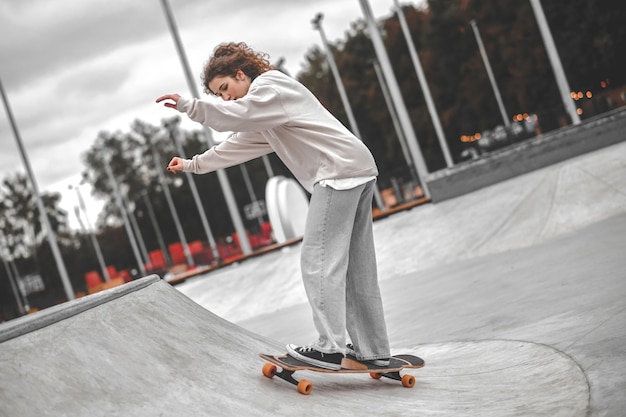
point(73, 68)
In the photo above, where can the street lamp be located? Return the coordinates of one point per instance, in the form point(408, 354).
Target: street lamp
point(396, 96)
point(317, 24)
point(65, 279)
point(175, 133)
point(155, 226)
point(555, 61)
point(135, 225)
point(231, 203)
point(394, 118)
point(422, 80)
point(170, 202)
point(120, 206)
point(22, 305)
point(492, 79)
point(92, 234)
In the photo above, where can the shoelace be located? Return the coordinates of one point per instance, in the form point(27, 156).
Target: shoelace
point(306, 349)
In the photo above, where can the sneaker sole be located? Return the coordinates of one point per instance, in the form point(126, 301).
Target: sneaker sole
point(351, 356)
point(353, 363)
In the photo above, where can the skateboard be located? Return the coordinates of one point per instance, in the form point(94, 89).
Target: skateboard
point(289, 365)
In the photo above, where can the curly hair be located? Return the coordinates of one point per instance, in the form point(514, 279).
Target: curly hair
point(230, 57)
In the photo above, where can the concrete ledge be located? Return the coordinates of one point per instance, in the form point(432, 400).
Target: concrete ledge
point(523, 157)
point(36, 321)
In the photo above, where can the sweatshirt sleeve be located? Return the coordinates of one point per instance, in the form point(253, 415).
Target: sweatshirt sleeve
point(238, 148)
point(260, 109)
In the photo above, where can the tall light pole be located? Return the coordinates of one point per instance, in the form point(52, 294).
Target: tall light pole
point(394, 118)
point(317, 24)
point(194, 192)
point(120, 206)
point(65, 279)
point(170, 203)
point(16, 275)
point(244, 241)
point(157, 230)
point(555, 61)
point(422, 80)
point(16, 292)
point(492, 79)
point(92, 234)
point(396, 96)
point(135, 226)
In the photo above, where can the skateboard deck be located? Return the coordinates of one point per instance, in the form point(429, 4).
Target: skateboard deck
point(289, 365)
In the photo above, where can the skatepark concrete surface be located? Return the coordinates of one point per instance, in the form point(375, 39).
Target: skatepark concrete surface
point(515, 296)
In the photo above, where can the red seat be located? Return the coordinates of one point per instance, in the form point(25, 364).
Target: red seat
point(92, 278)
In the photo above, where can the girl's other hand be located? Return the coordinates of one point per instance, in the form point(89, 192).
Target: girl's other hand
point(175, 165)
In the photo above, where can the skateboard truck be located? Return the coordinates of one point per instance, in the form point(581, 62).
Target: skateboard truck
point(304, 387)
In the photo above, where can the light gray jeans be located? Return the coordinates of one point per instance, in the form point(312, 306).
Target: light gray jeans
point(339, 271)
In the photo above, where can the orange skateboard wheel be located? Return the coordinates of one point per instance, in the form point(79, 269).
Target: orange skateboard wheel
point(305, 387)
point(269, 370)
point(408, 381)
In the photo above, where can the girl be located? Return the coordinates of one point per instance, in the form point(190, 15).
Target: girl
point(271, 112)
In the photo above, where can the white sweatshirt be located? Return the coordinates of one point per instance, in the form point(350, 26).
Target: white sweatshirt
point(278, 114)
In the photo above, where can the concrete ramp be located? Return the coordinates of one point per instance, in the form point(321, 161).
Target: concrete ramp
point(145, 349)
point(499, 378)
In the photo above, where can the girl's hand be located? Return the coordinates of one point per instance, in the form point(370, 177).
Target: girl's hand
point(172, 97)
point(175, 165)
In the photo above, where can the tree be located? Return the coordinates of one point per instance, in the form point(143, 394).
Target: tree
point(135, 158)
point(589, 36)
point(25, 243)
point(21, 219)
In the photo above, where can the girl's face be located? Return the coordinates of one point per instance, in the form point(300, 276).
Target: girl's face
point(230, 88)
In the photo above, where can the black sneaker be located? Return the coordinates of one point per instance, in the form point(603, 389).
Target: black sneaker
point(312, 356)
point(351, 354)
